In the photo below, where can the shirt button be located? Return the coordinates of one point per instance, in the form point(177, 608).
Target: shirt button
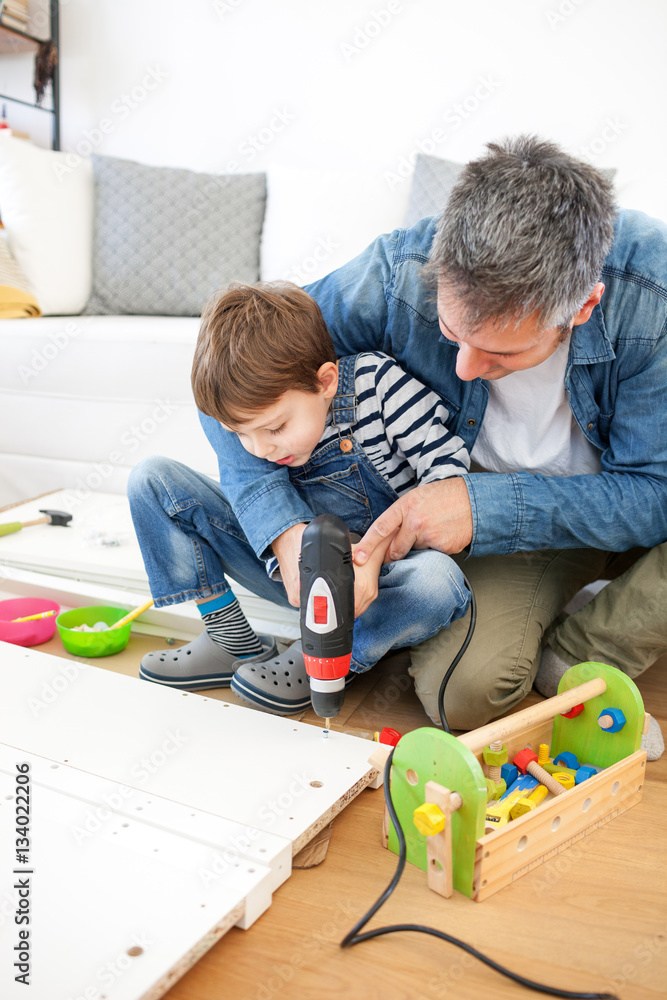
point(590, 427)
point(471, 422)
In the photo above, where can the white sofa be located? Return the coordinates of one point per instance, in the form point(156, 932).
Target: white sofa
point(84, 398)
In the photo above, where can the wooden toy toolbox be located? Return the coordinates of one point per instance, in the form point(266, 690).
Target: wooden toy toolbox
point(432, 766)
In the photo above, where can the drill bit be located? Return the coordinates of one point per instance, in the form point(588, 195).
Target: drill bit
point(327, 723)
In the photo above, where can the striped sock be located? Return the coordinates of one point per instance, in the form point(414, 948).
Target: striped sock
point(228, 626)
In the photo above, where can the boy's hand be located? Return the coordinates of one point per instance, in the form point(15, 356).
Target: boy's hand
point(287, 549)
point(365, 585)
point(366, 576)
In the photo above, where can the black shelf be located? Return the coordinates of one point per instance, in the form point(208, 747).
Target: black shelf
point(55, 87)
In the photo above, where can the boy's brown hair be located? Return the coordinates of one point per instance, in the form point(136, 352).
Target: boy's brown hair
point(255, 343)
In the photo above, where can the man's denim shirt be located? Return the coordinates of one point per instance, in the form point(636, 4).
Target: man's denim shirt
point(616, 379)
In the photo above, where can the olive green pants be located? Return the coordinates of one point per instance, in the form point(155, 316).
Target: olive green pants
point(520, 599)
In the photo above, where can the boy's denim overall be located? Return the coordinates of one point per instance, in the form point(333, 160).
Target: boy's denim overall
point(191, 540)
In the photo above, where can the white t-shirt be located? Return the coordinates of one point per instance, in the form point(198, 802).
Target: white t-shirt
point(529, 427)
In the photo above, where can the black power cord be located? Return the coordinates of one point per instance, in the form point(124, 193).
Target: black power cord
point(453, 664)
point(354, 937)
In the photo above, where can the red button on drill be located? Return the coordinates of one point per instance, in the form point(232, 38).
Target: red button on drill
point(320, 610)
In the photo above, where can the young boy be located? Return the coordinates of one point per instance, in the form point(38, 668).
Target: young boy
point(353, 435)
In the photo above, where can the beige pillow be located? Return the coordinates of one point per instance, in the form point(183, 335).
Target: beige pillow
point(16, 298)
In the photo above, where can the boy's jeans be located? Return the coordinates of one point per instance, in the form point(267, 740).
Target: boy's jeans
point(191, 542)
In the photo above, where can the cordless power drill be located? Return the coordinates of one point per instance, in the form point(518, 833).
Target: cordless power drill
point(327, 611)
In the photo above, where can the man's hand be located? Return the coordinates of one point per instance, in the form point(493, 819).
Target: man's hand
point(287, 549)
point(432, 516)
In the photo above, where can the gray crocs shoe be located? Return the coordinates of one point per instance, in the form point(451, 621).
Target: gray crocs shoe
point(200, 664)
point(279, 685)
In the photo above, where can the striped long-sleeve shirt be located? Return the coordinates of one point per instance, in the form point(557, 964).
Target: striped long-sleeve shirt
point(401, 425)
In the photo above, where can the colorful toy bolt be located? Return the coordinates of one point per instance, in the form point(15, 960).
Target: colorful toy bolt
point(509, 773)
point(611, 720)
point(495, 755)
point(388, 736)
point(495, 789)
point(429, 819)
point(583, 773)
point(567, 759)
point(564, 778)
point(573, 713)
point(526, 761)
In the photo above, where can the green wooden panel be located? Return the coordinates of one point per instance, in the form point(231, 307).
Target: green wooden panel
point(431, 755)
point(583, 736)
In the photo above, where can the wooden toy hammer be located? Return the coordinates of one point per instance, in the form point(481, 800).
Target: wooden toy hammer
point(51, 517)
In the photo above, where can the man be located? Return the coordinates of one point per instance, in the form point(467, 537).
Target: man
point(539, 314)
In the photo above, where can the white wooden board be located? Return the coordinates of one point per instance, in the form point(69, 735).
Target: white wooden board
point(69, 552)
point(157, 816)
point(274, 774)
point(165, 882)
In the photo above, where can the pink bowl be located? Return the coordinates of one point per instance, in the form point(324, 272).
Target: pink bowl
point(27, 633)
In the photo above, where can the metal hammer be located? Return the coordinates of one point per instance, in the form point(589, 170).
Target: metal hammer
point(51, 517)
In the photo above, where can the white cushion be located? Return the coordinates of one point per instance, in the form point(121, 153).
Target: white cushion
point(317, 220)
point(47, 209)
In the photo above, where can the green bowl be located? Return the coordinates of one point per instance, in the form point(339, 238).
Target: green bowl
point(93, 643)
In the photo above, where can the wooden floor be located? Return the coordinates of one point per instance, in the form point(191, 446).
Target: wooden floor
point(592, 919)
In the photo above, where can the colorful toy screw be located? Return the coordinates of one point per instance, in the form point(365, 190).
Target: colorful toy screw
point(567, 759)
point(509, 773)
point(526, 761)
point(564, 778)
point(495, 789)
point(611, 720)
point(388, 736)
point(495, 755)
point(429, 817)
point(573, 713)
point(584, 772)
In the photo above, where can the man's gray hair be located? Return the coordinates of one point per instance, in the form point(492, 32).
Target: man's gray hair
point(526, 229)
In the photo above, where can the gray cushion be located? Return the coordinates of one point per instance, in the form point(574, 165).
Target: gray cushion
point(166, 239)
point(432, 185)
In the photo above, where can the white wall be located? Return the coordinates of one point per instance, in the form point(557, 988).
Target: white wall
point(359, 85)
